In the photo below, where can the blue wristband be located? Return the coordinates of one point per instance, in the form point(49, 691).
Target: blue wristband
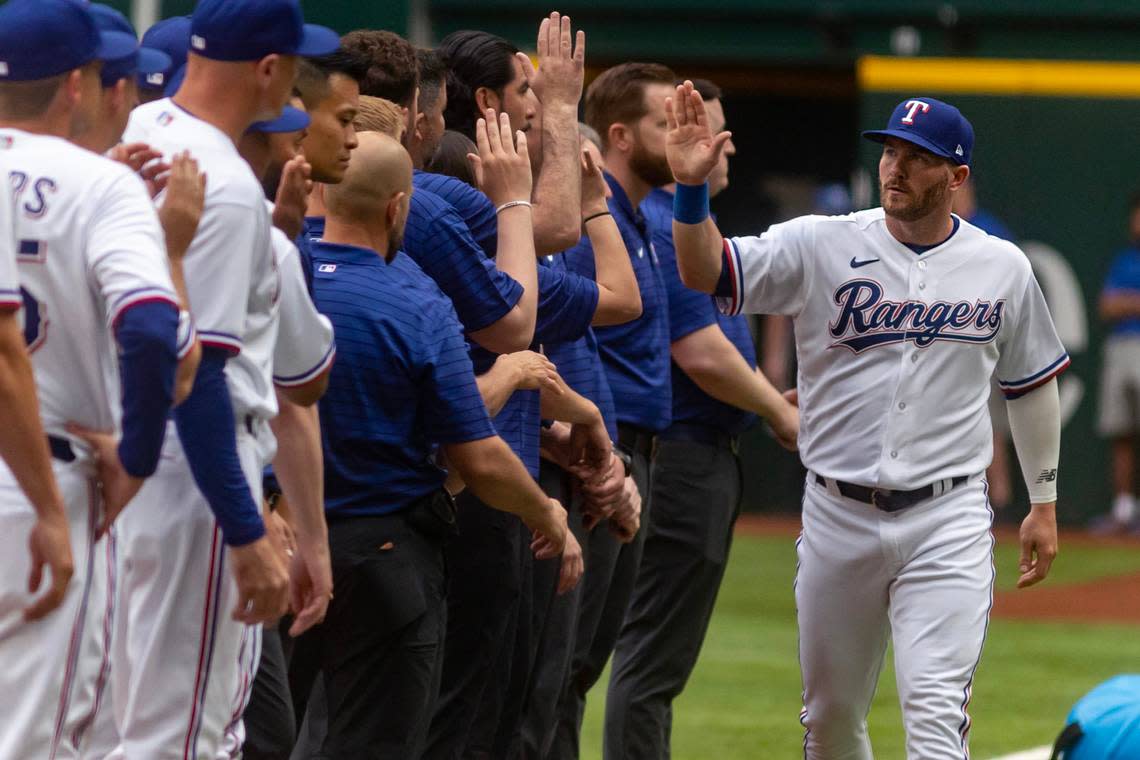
point(691, 203)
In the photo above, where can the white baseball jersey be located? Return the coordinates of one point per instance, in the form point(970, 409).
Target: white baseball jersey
point(89, 246)
point(9, 277)
point(230, 277)
point(895, 348)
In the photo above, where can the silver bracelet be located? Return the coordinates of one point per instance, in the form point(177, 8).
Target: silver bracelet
point(512, 204)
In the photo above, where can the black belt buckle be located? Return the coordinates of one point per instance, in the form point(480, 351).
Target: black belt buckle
point(61, 448)
point(887, 500)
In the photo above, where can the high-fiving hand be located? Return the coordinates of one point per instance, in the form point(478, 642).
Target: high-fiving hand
point(690, 146)
point(561, 62)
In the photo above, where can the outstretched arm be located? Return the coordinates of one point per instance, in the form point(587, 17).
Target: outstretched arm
point(693, 151)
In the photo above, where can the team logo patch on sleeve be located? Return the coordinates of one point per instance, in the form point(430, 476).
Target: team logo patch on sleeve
point(326, 268)
point(867, 320)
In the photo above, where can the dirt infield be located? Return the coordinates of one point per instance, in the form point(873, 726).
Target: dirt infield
point(1105, 600)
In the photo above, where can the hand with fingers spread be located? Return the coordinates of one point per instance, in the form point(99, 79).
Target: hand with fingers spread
point(293, 196)
point(181, 209)
point(1038, 544)
point(50, 548)
point(144, 161)
point(116, 486)
point(595, 189)
point(561, 63)
point(262, 582)
point(502, 167)
point(690, 146)
point(533, 371)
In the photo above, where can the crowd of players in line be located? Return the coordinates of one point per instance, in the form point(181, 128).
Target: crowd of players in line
point(518, 375)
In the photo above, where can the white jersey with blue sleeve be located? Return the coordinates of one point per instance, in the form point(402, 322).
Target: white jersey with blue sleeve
point(89, 246)
point(896, 348)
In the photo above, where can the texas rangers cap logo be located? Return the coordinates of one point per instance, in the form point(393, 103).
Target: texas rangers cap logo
point(913, 107)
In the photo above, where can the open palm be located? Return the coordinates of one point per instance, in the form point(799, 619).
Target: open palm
point(690, 146)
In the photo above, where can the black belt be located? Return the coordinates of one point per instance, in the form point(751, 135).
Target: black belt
point(693, 433)
point(635, 440)
point(892, 501)
point(61, 448)
point(432, 514)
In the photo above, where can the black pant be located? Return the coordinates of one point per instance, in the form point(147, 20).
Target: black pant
point(696, 499)
point(381, 644)
point(484, 591)
point(607, 586)
point(270, 729)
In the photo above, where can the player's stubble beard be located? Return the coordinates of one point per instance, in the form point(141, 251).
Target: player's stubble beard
point(915, 208)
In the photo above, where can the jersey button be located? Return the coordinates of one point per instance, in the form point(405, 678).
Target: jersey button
point(922, 286)
point(902, 405)
point(914, 357)
point(922, 265)
point(894, 455)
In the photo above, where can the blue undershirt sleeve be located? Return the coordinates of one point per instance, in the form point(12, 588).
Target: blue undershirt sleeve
point(147, 334)
point(205, 423)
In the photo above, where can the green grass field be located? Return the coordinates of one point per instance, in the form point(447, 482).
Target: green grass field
point(743, 700)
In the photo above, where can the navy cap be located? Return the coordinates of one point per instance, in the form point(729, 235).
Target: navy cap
point(931, 124)
point(142, 60)
point(291, 120)
point(248, 30)
point(45, 38)
point(171, 36)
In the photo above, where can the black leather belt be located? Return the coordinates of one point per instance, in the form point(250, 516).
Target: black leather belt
point(693, 433)
point(892, 501)
point(635, 440)
point(61, 448)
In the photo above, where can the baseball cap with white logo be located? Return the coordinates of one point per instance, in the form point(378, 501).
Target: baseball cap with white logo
point(249, 30)
point(171, 36)
point(40, 39)
point(931, 124)
point(142, 60)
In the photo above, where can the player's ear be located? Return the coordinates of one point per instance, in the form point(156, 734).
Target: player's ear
point(486, 98)
point(619, 136)
point(266, 69)
point(959, 177)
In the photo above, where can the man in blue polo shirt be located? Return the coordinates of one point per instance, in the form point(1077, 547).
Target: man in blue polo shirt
point(402, 385)
point(717, 394)
point(626, 105)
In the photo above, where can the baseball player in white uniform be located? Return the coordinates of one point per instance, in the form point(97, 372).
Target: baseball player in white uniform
point(101, 324)
point(201, 573)
point(902, 314)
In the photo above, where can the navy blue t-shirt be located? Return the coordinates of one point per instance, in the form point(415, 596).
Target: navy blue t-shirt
point(402, 383)
point(1124, 274)
point(566, 306)
point(472, 205)
point(636, 354)
point(689, 311)
point(437, 239)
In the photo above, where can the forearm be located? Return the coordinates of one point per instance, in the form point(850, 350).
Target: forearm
point(775, 342)
point(710, 360)
point(498, 478)
point(299, 465)
point(700, 250)
point(515, 257)
point(496, 385)
point(23, 443)
point(1035, 427)
point(619, 298)
point(557, 191)
point(147, 337)
point(567, 405)
point(554, 443)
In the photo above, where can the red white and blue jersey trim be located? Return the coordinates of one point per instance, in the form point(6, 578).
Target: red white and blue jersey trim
point(229, 343)
point(1019, 388)
point(731, 305)
point(319, 369)
point(11, 299)
point(138, 296)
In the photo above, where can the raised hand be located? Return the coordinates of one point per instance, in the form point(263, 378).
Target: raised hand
point(502, 167)
point(293, 197)
point(561, 63)
point(595, 189)
point(181, 209)
point(690, 146)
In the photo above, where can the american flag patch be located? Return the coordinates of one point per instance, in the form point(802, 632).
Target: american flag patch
point(165, 118)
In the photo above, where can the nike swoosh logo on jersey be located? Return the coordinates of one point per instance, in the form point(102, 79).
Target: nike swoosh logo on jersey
point(856, 264)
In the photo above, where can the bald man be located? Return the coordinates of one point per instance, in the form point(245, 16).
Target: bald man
point(402, 385)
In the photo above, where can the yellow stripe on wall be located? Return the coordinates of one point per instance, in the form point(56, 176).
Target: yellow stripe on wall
point(999, 76)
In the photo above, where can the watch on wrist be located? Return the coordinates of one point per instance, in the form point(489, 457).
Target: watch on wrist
point(626, 460)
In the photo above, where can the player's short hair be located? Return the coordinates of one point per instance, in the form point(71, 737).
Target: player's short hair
point(586, 132)
point(313, 74)
point(24, 101)
point(474, 59)
point(450, 157)
point(617, 96)
point(380, 115)
point(707, 90)
point(433, 77)
point(392, 73)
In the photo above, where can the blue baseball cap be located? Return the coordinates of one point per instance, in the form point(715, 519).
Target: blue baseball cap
point(171, 36)
point(291, 120)
point(931, 124)
point(142, 61)
point(45, 38)
point(248, 30)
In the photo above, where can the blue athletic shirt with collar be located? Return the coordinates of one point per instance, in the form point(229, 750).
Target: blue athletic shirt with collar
point(471, 204)
point(636, 354)
point(402, 383)
point(1124, 276)
point(689, 311)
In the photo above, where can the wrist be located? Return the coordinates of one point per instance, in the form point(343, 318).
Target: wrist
point(691, 203)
